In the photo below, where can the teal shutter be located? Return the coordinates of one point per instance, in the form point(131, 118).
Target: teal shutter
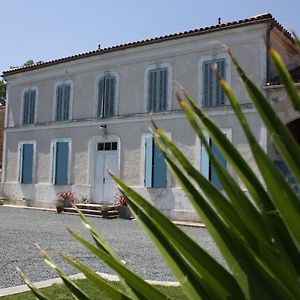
point(32, 107)
point(27, 163)
point(214, 178)
point(152, 90)
point(29, 107)
point(100, 97)
point(213, 94)
point(159, 169)
point(61, 163)
point(25, 108)
point(148, 161)
point(66, 113)
point(163, 89)
point(205, 159)
point(63, 102)
point(109, 95)
point(157, 90)
point(59, 103)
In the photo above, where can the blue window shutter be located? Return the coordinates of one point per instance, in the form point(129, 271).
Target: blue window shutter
point(25, 108)
point(27, 163)
point(61, 164)
point(163, 89)
point(221, 159)
point(59, 99)
point(66, 101)
point(151, 91)
point(32, 107)
point(206, 85)
point(159, 169)
point(100, 97)
point(205, 159)
point(148, 161)
point(109, 96)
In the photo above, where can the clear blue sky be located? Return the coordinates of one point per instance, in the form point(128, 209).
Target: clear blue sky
point(45, 30)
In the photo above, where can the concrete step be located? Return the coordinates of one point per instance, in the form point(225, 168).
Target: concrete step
point(92, 206)
point(94, 212)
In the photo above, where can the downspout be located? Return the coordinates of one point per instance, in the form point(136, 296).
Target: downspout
point(268, 44)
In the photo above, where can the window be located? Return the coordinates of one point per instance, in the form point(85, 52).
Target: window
point(29, 107)
point(60, 162)
point(157, 90)
point(213, 94)
point(155, 167)
point(206, 167)
point(26, 163)
point(63, 93)
point(106, 96)
point(107, 146)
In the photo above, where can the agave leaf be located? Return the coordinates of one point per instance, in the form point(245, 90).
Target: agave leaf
point(32, 287)
point(285, 77)
point(240, 203)
point(285, 199)
point(260, 280)
point(73, 288)
point(281, 136)
point(138, 287)
point(231, 154)
point(273, 220)
point(262, 249)
point(210, 270)
point(97, 280)
point(297, 41)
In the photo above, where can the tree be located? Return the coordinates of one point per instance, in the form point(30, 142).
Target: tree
point(2, 92)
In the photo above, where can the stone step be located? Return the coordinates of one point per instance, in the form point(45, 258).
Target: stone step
point(92, 206)
point(97, 212)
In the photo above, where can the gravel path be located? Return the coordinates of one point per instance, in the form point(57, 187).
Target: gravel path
point(22, 228)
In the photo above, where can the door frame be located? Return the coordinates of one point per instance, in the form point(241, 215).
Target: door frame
point(92, 161)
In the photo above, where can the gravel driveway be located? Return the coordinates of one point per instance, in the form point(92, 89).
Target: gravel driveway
point(22, 228)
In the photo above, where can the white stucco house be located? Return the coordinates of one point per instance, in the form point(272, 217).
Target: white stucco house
point(69, 120)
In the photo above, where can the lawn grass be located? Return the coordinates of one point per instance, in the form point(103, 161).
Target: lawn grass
point(60, 292)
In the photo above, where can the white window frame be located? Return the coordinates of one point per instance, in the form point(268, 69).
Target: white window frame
point(20, 160)
point(63, 82)
point(53, 159)
point(169, 84)
point(143, 156)
point(208, 58)
point(96, 92)
point(27, 89)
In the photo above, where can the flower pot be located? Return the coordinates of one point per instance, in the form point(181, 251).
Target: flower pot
point(59, 209)
point(124, 212)
point(104, 213)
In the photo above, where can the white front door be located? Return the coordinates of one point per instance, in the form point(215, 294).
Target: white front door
point(106, 159)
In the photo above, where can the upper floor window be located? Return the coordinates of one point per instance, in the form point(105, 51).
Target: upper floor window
point(213, 95)
point(63, 96)
point(157, 90)
point(29, 99)
point(106, 96)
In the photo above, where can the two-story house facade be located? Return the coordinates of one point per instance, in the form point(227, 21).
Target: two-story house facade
point(69, 120)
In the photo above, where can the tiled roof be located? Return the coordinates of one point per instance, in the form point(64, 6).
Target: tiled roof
point(252, 20)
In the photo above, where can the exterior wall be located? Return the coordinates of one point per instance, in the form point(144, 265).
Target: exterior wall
point(184, 56)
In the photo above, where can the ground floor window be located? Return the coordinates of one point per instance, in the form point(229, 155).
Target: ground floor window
point(155, 166)
point(60, 162)
point(26, 163)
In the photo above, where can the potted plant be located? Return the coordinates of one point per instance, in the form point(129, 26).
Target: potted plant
point(104, 211)
point(59, 206)
point(65, 199)
point(121, 204)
